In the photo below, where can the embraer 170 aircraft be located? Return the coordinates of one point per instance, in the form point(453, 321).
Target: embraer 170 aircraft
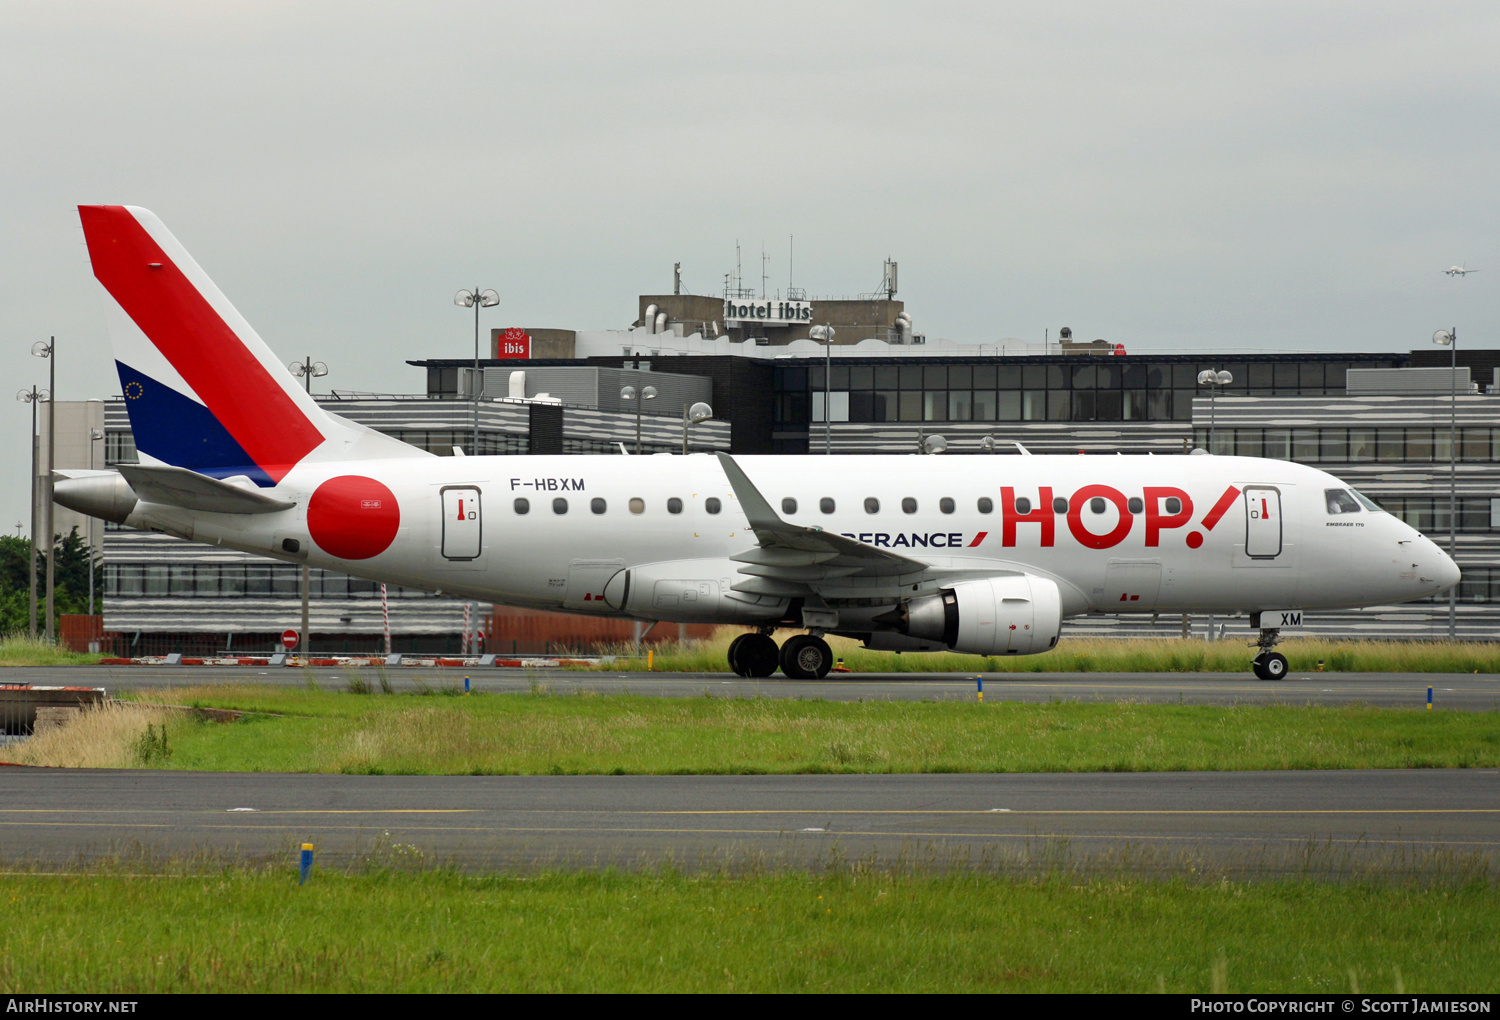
point(1462, 270)
point(986, 555)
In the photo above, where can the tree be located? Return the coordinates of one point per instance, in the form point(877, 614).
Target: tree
point(71, 578)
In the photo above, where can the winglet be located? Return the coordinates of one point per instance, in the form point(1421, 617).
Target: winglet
point(752, 502)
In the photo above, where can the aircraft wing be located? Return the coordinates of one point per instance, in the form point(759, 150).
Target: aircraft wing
point(794, 560)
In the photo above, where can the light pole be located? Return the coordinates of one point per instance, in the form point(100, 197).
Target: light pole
point(1449, 338)
point(1214, 381)
point(307, 370)
point(476, 299)
point(95, 435)
point(33, 397)
point(692, 416)
point(824, 335)
point(647, 393)
point(46, 350)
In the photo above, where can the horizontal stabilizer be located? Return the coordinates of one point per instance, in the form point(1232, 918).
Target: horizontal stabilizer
point(190, 490)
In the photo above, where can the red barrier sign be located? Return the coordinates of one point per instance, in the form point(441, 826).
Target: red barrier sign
point(289, 638)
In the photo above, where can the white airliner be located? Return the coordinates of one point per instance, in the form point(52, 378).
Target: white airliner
point(986, 555)
point(1459, 270)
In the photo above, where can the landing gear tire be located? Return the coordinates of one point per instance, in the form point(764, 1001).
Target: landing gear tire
point(1271, 666)
point(753, 655)
point(805, 657)
point(734, 652)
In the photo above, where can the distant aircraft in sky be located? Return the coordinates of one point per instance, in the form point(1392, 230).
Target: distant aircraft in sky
point(1462, 270)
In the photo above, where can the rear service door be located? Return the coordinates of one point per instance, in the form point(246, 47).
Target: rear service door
point(1263, 529)
point(462, 522)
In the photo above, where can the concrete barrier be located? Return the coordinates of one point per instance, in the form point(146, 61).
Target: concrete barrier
point(19, 704)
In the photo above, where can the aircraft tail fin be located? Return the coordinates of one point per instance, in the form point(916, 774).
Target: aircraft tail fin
point(203, 391)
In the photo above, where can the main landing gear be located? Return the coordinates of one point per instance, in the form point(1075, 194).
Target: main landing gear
point(803, 657)
point(1269, 665)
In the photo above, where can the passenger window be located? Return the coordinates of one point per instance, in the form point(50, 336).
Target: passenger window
point(872, 505)
point(523, 505)
point(1059, 505)
point(986, 505)
point(1135, 505)
point(1173, 505)
point(559, 505)
point(637, 505)
point(597, 505)
point(946, 505)
point(674, 505)
point(1023, 505)
point(826, 505)
point(1096, 505)
point(788, 505)
point(1340, 502)
point(712, 504)
point(908, 505)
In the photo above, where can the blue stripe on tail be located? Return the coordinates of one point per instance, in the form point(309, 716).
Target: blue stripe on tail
point(179, 431)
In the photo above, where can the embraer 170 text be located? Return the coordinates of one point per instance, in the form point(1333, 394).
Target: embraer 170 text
point(986, 555)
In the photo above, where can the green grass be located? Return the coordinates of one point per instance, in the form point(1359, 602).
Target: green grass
point(19, 650)
point(531, 734)
point(1113, 655)
point(385, 930)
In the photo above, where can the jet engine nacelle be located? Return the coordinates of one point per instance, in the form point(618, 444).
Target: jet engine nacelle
point(1013, 615)
point(689, 591)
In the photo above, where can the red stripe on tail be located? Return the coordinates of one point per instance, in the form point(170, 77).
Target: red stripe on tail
point(208, 355)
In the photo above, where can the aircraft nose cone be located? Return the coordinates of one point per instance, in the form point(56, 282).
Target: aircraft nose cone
point(1448, 573)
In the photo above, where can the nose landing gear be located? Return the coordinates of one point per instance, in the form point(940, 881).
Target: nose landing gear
point(803, 657)
point(1269, 665)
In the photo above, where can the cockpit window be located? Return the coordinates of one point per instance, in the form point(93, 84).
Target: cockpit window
point(1368, 503)
point(1340, 502)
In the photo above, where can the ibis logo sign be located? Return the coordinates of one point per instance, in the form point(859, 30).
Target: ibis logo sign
point(514, 342)
point(768, 310)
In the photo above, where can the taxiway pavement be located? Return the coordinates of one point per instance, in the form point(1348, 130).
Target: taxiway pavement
point(1283, 821)
point(1477, 692)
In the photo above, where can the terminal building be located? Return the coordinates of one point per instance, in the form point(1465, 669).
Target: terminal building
point(1380, 421)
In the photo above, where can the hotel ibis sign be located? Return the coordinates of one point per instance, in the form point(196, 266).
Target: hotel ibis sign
point(772, 310)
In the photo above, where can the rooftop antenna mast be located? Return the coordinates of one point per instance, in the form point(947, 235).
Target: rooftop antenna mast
point(764, 258)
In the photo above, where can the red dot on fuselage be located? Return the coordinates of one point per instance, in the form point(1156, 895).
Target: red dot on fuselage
point(1194, 540)
point(353, 517)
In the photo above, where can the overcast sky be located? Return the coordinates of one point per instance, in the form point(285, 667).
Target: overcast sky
point(1172, 176)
